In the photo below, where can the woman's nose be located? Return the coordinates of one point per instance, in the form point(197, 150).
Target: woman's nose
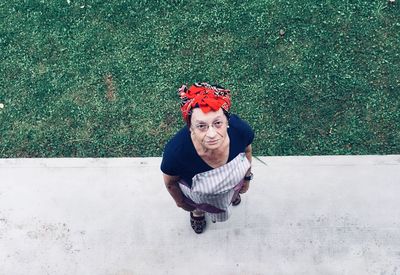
point(211, 132)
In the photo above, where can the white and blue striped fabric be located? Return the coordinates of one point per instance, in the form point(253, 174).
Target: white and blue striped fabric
point(217, 187)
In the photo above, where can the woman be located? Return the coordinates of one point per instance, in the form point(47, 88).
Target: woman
point(207, 164)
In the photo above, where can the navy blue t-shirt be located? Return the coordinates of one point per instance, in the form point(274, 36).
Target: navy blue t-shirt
point(180, 158)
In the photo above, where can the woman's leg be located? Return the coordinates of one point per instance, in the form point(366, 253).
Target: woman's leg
point(198, 213)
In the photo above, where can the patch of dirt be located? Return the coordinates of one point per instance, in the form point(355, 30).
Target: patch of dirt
point(111, 91)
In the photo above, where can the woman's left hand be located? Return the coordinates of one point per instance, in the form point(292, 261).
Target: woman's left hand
point(245, 187)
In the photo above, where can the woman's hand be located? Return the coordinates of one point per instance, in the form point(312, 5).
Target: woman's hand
point(185, 206)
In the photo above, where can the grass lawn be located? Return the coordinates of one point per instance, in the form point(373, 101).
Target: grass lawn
point(100, 78)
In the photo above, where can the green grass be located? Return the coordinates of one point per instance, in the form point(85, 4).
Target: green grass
point(99, 78)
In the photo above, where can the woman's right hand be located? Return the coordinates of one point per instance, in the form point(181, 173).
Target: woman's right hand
point(171, 182)
point(185, 206)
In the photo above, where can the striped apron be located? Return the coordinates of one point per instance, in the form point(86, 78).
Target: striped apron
point(213, 191)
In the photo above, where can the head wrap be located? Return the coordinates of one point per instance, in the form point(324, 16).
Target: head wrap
point(204, 96)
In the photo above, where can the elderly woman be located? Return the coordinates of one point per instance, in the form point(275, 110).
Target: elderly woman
point(207, 164)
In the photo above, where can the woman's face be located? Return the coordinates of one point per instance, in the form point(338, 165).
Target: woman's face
point(209, 129)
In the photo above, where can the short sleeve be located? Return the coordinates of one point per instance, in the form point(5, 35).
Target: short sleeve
point(168, 165)
point(243, 128)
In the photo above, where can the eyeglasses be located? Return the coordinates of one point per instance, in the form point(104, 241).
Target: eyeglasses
point(202, 127)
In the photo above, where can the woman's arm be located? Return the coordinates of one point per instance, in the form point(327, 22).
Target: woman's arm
point(171, 182)
point(248, 152)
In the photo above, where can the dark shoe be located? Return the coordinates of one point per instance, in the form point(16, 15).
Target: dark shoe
point(237, 201)
point(198, 223)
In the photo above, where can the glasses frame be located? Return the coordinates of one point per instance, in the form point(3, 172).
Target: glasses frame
point(216, 126)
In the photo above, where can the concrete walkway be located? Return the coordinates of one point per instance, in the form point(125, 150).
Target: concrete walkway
point(302, 215)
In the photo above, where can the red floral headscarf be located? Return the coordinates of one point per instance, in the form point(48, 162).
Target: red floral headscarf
point(204, 96)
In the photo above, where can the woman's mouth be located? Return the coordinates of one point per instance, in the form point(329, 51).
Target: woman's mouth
point(211, 142)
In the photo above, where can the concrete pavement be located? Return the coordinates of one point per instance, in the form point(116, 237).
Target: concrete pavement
point(302, 215)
